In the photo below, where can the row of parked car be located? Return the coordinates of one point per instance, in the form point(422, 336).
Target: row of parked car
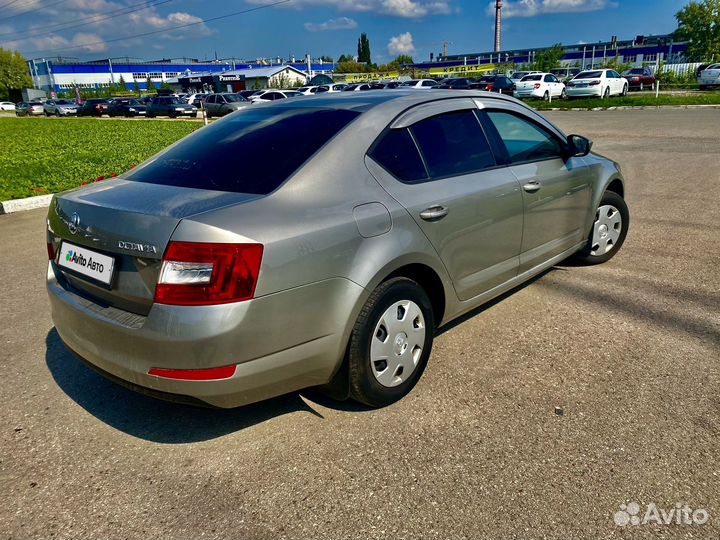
point(558, 83)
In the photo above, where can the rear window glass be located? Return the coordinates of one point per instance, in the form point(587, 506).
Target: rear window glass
point(589, 75)
point(532, 78)
point(397, 153)
point(453, 144)
point(252, 151)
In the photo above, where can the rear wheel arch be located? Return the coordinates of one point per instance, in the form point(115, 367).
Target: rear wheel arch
point(429, 281)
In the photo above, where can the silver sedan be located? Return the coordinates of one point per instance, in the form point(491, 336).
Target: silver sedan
point(321, 242)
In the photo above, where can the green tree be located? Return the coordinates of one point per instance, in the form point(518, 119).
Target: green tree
point(364, 49)
point(615, 64)
point(548, 59)
point(150, 86)
point(14, 73)
point(404, 59)
point(350, 67)
point(699, 23)
point(122, 85)
point(326, 58)
point(345, 58)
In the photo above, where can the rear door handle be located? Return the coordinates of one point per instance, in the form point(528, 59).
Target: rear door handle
point(434, 213)
point(532, 187)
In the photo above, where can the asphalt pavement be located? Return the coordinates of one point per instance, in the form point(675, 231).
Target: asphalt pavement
point(538, 416)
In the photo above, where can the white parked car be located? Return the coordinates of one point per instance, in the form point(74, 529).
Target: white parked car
point(518, 75)
point(339, 87)
point(263, 96)
point(709, 77)
point(7, 106)
point(307, 90)
point(601, 83)
point(540, 86)
point(420, 84)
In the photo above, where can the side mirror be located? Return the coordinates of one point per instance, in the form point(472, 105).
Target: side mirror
point(579, 146)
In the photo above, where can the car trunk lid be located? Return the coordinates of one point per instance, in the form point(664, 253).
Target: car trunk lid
point(132, 222)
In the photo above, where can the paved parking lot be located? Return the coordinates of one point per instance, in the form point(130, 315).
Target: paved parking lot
point(629, 350)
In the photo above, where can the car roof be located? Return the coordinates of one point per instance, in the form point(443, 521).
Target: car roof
point(402, 99)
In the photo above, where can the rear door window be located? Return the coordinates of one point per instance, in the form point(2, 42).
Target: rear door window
point(397, 153)
point(252, 151)
point(453, 144)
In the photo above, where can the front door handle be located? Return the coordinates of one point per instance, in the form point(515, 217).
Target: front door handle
point(532, 187)
point(434, 213)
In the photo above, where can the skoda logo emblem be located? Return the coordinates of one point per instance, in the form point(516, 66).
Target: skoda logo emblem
point(74, 223)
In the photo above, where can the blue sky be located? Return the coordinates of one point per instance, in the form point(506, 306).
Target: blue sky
point(86, 28)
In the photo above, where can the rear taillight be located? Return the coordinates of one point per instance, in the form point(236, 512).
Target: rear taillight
point(537, 85)
point(51, 251)
point(594, 83)
point(489, 88)
point(199, 274)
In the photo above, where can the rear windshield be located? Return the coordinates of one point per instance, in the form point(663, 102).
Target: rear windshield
point(532, 78)
point(589, 75)
point(231, 98)
point(251, 151)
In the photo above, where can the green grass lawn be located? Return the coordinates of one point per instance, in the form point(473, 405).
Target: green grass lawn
point(40, 155)
point(645, 99)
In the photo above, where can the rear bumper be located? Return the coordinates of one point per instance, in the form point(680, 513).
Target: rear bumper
point(594, 91)
point(539, 93)
point(280, 342)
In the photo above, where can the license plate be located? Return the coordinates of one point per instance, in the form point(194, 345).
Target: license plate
point(581, 86)
point(86, 262)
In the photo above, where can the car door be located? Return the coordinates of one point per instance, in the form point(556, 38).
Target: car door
point(556, 190)
point(557, 86)
point(437, 162)
point(210, 105)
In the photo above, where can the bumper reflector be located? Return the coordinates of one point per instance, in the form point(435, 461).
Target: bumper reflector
point(211, 374)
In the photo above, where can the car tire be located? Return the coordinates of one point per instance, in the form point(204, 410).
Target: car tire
point(57, 113)
point(546, 95)
point(399, 315)
point(608, 231)
point(606, 93)
point(642, 87)
point(563, 94)
point(624, 91)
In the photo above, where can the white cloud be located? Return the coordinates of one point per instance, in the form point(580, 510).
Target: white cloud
point(394, 8)
point(533, 8)
point(155, 21)
point(89, 42)
point(402, 44)
point(88, 37)
point(341, 23)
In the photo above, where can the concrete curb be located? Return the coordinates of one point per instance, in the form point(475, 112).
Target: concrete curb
point(29, 203)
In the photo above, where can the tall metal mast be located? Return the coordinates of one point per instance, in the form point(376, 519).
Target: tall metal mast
point(498, 25)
